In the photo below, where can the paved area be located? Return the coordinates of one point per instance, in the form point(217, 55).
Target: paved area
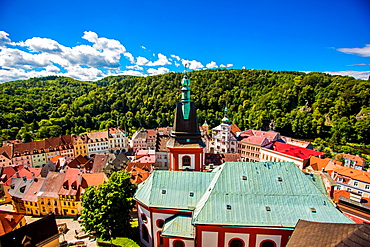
point(72, 226)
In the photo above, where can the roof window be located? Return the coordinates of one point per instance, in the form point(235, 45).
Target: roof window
point(313, 210)
point(164, 191)
point(279, 179)
point(228, 207)
point(191, 194)
point(244, 177)
point(268, 208)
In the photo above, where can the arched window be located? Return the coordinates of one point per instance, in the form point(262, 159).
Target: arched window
point(268, 243)
point(178, 243)
point(145, 233)
point(143, 218)
point(186, 161)
point(236, 243)
point(160, 223)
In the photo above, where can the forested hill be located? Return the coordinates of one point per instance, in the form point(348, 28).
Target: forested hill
point(294, 103)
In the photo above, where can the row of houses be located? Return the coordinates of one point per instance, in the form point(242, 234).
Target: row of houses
point(38, 153)
point(59, 192)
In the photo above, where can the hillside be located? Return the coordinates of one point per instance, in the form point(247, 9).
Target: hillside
point(294, 103)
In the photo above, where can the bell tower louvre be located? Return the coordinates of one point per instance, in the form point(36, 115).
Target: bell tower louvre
point(185, 143)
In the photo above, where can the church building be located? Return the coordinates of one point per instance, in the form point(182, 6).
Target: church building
point(238, 204)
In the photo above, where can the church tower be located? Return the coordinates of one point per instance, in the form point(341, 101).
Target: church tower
point(185, 143)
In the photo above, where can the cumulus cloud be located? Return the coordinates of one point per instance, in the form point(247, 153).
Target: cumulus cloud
point(177, 57)
point(226, 66)
point(363, 52)
point(135, 67)
point(192, 64)
point(162, 60)
point(161, 70)
point(4, 38)
point(364, 75)
point(143, 47)
point(211, 65)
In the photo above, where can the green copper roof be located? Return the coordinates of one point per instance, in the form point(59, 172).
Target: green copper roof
point(265, 194)
point(172, 189)
point(179, 226)
point(185, 97)
point(270, 194)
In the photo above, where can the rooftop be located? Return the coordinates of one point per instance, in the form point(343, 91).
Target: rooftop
point(291, 150)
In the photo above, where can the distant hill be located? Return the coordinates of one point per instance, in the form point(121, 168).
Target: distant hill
point(295, 103)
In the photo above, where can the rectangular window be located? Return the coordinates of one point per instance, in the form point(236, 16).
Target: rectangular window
point(355, 183)
point(367, 187)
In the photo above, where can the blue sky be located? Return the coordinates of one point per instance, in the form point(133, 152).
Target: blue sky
point(89, 40)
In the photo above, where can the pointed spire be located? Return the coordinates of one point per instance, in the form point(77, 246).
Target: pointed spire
point(185, 96)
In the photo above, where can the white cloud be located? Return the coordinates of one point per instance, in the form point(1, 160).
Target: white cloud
point(363, 52)
point(4, 38)
point(135, 67)
point(226, 66)
point(162, 60)
point(143, 47)
point(177, 57)
point(359, 64)
point(192, 64)
point(211, 65)
point(364, 75)
point(161, 70)
point(141, 61)
point(177, 64)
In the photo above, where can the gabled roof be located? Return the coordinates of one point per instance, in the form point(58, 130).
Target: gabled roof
point(34, 189)
point(8, 221)
point(44, 230)
point(28, 172)
point(256, 140)
point(8, 171)
point(318, 164)
point(231, 157)
point(151, 134)
point(97, 136)
point(19, 187)
point(100, 161)
point(298, 152)
point(235, 129)
point(51, 185)
point(163, 190)
point(359, 160)
point(93, 179)
point(6, 151)
point(307, 233)
point(353, 173)
point(78, 161)
point(71, 183)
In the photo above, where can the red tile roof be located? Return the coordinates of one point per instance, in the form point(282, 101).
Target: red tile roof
point(318, 164)
point(100, 161)
point(6, 151)
point(353, 173)
point(8, 171)
point(71, 183)
point(93, 179)
point(302, 153)
point(98, 136)
point(257, 140)
point(360, 161)
point(234, 129)
point(231, 157)
point(78, 161)
point(9, 220)
point(28, 172)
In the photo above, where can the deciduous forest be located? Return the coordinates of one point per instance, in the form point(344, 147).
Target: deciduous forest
point(296, 104)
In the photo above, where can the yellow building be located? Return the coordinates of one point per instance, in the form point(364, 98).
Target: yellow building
point(30, 198)
point(48, 197)
point(69, 192)
point(80, 145)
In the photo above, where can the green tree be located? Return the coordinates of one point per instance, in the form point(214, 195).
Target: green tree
point(106, 208)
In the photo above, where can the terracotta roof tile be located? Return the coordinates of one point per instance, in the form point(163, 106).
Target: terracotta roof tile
point(318, 164)
point(93, 179)
point(234, 129)
point(52, 184)
point(353, 173)
point(71, 183)
point(28, 172)
point(9, 220)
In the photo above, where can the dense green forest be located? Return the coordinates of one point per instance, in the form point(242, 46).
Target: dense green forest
point(335, 108)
